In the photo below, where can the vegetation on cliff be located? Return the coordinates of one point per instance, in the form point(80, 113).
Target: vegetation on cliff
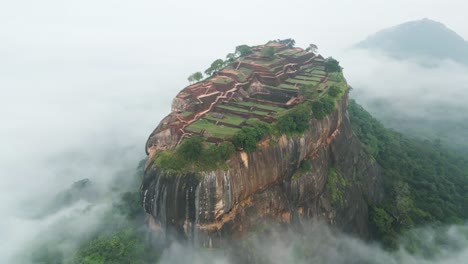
point(424, 182)
point(248, 136)
point(195, 155)
point(335, 183)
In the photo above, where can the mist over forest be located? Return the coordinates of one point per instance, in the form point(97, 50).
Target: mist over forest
point(423, 102)
point(84, 84)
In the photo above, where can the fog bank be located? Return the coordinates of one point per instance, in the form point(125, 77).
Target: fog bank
point(424, 100)
point(318, 244)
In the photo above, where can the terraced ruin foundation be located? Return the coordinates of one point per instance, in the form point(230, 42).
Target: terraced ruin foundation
point(249, 87)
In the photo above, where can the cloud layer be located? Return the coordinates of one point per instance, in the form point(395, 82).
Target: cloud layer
point(426, 101)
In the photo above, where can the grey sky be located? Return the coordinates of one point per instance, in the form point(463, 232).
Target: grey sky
point(95, 77)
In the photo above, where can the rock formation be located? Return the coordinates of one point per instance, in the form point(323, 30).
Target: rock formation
point(322, 174)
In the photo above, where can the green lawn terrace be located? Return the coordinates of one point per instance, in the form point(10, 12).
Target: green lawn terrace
point(229, 117)
point(239, 75)
point(211, 130)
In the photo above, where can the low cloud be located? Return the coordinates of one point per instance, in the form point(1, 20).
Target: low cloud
point(408, 86)
point(318, 244)
point(428, 100)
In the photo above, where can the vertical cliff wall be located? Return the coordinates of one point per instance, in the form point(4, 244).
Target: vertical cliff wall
point(322, 174)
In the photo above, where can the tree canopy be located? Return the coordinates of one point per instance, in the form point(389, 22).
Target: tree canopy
point(423, 181)
point(230, 57)
point(195, 77)
point(243, 50)
point(268, 52)
point(288, 42)
point(215, 66)
point(332, 65)
point(248, 137)
point(312, 48)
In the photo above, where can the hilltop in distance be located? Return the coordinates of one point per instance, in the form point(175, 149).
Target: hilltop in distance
point(436, 115)
point(421, 39)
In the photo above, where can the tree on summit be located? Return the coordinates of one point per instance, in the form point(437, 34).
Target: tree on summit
point(268, 52)
point(312, 48)
point(288, 42)
point(230, 57)
point(191, 79)
point(196, 77)
point(215, 66)
point(332, 65)
point(243, 50)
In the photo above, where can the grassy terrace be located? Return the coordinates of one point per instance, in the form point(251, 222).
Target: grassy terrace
point(186, 114)
point(308, 77)
point(318, 72)
point(265, 62)
point(266, 107)
point(272, 97)
point(304, 82)
point(322, 68)
point(287, 52)
point(276, 69)
point(292, 53)
point(223, 80)
point(242, 110)
point(277, 88)
point(319, 69)
point(214, 130)
point(288, 86)
point(229, 119)
point(243, 74)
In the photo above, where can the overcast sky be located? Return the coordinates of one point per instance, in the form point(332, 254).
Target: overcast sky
point(94, 77)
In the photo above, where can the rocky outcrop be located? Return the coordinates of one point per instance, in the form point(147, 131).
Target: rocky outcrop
point(270, 184)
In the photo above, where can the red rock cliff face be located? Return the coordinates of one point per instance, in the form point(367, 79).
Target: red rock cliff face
point(266, 185)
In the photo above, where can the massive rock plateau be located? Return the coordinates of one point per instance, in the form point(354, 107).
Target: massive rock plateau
point(269, 185)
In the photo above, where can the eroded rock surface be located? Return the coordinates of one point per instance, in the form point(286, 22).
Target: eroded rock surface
point(266, 185)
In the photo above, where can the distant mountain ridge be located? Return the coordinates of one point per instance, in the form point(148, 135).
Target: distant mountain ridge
point(420, 39)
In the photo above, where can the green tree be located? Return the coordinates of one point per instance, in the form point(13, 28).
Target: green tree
point(323, 107)
point(288, 42)
point(332, 65)
point(120, 248)
point(215, 66)
point(191, 148)
point(423, 181)
point(231, 57)
point(312, 48)
point(191, 79)
point(197, 76)
point(334, 90)
point(294, 121)
point(243, 50)
point(268, 52)
point(384, 225)
point(248, 137)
